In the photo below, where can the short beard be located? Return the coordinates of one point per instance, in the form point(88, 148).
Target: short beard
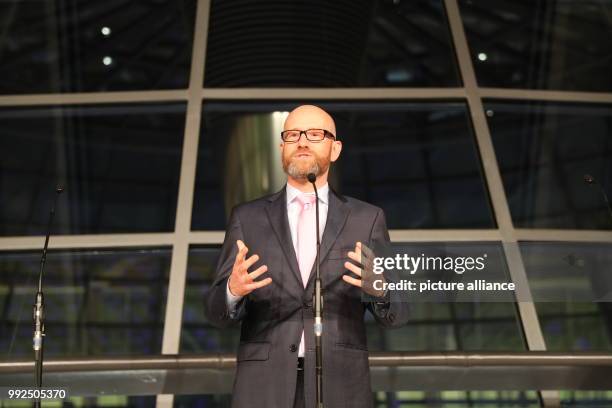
point(318, 167)
point(295, 172)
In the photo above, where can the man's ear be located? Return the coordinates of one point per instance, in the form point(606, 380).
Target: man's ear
point(336, 149)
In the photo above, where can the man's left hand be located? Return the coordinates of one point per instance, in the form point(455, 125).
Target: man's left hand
point(363, 258)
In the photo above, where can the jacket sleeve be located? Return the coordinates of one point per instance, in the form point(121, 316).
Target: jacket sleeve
point(216, 307)
point(392, 310)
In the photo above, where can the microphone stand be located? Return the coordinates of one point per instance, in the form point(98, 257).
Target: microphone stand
point(590, 180)
point(318, 306)
point(39, 306)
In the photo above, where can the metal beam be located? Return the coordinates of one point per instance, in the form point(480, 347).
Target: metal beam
point(527, 312)
point(541, 95)
point(332, 94)
point(390, 371)
point(87, 241)
point(93, 98)
point(178, 269)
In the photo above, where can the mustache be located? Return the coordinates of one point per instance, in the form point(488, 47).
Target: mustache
point(305, 151)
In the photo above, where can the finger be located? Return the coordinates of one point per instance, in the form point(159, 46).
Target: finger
point(258, 272)
point(353, 268)
point(351, 280)
point(258, 284)
point(354, 256)
point(242, 250)
point(249, 262)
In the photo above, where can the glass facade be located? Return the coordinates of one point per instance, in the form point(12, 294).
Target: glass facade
point(79, 46)
point(119, 166)
point(547, 153)
point(541, 44)
point(158, 117)
point(418, 162)
point(101, 302)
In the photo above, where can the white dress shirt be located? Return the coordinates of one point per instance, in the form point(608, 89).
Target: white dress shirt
point(293, 213)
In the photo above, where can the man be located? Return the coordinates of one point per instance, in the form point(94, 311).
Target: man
point(265, 278)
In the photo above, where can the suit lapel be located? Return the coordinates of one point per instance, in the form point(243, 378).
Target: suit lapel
point(277, 214)
point(337, 213)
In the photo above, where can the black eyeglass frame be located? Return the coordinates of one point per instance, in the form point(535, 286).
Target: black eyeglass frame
point(326, 134)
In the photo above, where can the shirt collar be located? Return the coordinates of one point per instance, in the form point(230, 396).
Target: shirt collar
point(293, 192)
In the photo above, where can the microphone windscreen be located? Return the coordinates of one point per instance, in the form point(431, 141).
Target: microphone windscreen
point(311, 177)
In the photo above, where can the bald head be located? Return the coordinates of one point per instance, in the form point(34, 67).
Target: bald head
point(309, 117)
point(305, 156)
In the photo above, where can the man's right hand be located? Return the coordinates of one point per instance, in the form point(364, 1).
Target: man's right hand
point(241, 281)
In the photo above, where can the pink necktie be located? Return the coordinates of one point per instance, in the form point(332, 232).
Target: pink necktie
point(306, 232)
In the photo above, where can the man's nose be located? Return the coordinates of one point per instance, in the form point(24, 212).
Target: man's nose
point(303, 140)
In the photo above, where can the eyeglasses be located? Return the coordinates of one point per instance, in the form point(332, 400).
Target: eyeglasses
point(313, 135)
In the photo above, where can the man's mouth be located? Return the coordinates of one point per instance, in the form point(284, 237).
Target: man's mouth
point(302, 155)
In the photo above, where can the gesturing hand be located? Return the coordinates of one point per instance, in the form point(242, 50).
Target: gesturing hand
point(241, 281)
point(364, 258)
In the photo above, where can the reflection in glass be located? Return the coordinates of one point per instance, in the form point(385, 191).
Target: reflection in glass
point(574, 324)
point(80, 46)
point(544, 151)
point(540, 44)
point(96, 301)
point(119, 165)
point(263, 43)
point(418, 162)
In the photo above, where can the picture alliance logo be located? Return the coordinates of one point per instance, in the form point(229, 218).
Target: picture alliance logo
point(412, 264)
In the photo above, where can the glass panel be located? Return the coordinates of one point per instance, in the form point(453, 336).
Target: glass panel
point(81, 46)
point(460, 399)
point(197, 334)
point(119, 164)
point(540, 44)
point(96, 301)
point(114, 401)
point(545, 151)
point(586, 398)
point(418, 162)
point(264, 43)
point(572, 324)
point(416, 399)
point(467, 324)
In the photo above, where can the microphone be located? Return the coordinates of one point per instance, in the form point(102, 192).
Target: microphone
point(590, 180)
point(318, 305)
point(38, 312)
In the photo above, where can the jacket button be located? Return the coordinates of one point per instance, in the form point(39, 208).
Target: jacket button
point(306, 304)
point(293, 348)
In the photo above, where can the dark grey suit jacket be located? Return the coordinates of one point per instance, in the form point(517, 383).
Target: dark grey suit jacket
point(274, 316)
